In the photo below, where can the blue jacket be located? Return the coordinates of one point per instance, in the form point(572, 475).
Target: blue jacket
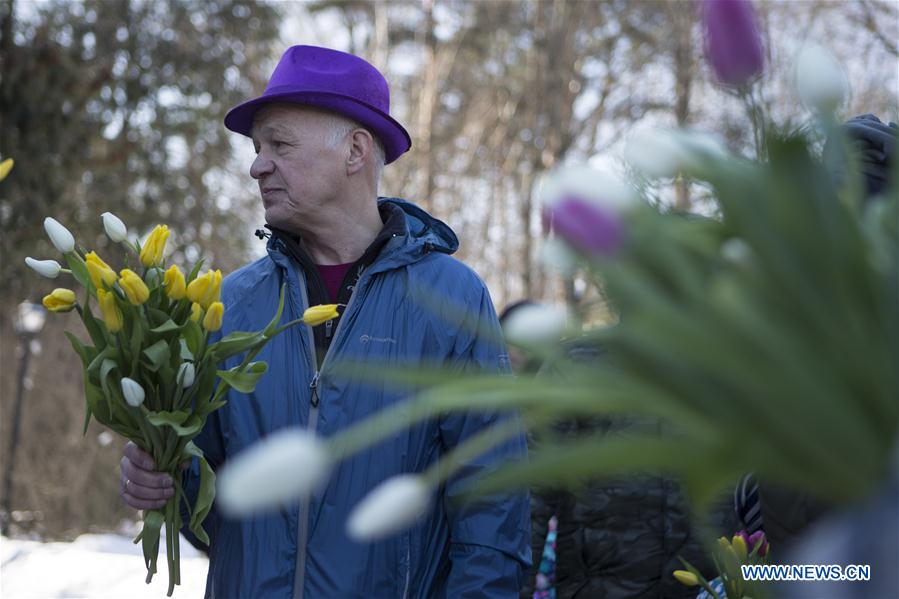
point(414, 304)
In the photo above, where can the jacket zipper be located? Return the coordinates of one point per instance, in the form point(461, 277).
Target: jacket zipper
point(408, 567)
point(314, 401)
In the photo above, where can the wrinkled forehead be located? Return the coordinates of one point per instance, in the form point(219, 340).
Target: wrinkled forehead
point(286, 118)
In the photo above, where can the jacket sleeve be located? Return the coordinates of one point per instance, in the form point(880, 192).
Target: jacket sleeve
point(489, 539)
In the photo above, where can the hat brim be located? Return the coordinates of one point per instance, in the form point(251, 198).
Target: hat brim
point(391, 134)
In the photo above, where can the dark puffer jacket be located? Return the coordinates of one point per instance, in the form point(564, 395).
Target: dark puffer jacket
point(620, 537)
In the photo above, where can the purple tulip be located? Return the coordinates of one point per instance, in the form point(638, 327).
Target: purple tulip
point(591, 228)
point(733, 43)
point(753, 540)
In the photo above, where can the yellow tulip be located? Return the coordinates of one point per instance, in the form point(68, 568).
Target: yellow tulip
point(198, 286)
point(740, 548)
point(196, 312)
point(213, 319)
point(151, 253)
point(174, 283)
point(134, 287)
point(99, 271)
point(206, 288)
point(5, 167)
point(317, 315)
point(686, 577)
point(60, 300)
point(112, 315)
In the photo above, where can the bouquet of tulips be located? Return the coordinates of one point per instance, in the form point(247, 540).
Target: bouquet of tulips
point(729, 557)
point(151, 369)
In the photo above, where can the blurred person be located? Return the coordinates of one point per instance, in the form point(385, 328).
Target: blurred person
point(521, 361)
point(322, 133)
point(618, 536)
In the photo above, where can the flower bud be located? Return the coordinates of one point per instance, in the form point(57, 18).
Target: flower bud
point(134, 287)
point(60, 300)
point(285, 466)
point(391, 507)
point(151, 253)
point(213, 319)
point(535, 324)
point(109, 309)
point(196, 312)
point(61, 238)
point(686, 577)
point(317, 315)
point(133, 392)
point(733, 44)
point(175, 286)
point(99, 271)
point(739, 545)
point(820, 80)
point(45, 268)
point(186, 374)
point(115, 228)
point(5, 167)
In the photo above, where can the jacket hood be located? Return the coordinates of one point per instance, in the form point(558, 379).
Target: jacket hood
point(424, 234)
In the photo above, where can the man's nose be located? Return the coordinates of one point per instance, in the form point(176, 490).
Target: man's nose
point(261, 166)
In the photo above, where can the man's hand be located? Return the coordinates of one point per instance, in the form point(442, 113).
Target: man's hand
point(141, 486)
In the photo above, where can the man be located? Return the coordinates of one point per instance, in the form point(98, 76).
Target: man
point(322, 133)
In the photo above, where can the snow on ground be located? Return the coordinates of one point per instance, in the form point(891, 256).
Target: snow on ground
point(97, 566)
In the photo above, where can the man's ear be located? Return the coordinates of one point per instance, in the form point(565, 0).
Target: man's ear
point(362, 147)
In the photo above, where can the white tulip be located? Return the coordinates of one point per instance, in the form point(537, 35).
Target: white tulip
point(186, 374)
point(61, 238)
point(588, 184)
point(133, 392)
point(820, 81)
point(660, 153)
point(535, 324)
point(391, 507)
point(558, 255)
point(115, 228)
point(736, 250)
point(45, 268)
point(285, 466)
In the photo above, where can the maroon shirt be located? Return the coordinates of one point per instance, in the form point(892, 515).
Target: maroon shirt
point(333, 276)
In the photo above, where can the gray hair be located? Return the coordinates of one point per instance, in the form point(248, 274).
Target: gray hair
point(343, 126)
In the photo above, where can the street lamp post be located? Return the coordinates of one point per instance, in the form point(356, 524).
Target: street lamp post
point(29, 322)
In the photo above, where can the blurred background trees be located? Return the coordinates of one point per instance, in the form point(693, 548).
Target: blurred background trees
point(118, 106)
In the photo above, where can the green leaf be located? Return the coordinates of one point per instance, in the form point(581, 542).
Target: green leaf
point(156, 355)
point(194, 271)
point(96, 405)
point(79, 270)
point(205, 495)
point(93, 326)
point(235, 343)
point(244, 380)
point(186, 354)
point(168, 326)
point(168, 418)
point(149, 536)
point(158, 318)
point(270, 329)
point(182, 422)
point(80, 349)
point(193, 336)
point(210, 407)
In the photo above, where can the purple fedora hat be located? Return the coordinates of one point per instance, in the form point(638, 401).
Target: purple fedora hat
point(334, 81)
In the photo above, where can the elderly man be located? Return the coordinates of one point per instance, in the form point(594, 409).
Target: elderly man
point(322, 133)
